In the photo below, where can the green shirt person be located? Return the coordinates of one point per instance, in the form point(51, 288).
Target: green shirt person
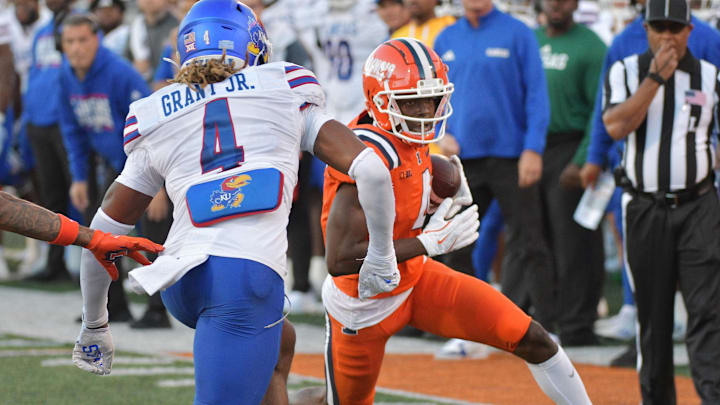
point(573, 65)
point(572, 57)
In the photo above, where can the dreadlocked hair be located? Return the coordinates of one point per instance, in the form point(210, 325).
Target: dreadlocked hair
point(205, 72)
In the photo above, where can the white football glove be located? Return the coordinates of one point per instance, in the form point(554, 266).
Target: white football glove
point(94, 350)
point(463, 197)
point(442, 235)
point(378, 275)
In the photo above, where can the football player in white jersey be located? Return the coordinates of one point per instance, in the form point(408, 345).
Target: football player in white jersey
point(224, 140)
point(348, 34)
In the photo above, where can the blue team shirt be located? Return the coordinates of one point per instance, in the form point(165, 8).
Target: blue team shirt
point(93, 111)
point(501, 101)
point(41, 102)
point(703, 43)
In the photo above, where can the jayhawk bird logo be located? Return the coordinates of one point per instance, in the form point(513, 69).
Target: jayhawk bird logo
point(230, 192)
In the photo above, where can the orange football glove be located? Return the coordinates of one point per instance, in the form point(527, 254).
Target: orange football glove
point(108, 248)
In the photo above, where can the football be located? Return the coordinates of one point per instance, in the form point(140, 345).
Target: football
point(445, 176)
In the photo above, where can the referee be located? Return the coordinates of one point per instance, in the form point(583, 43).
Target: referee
point(664, 104)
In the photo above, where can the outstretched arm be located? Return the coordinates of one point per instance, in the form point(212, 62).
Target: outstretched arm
point(23, 217)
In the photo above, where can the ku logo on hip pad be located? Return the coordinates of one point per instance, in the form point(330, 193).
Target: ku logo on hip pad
point(230, 192)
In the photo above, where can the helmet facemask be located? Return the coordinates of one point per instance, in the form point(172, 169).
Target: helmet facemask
point(428, 130)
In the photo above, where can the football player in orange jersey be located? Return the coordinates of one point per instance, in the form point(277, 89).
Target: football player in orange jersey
point(407, 98)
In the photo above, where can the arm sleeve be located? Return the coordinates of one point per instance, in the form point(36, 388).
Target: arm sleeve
point(377, 200)
point(138, 173)
point(537, 102)
point(314, 118)
point(94, 280)
point(75, 139)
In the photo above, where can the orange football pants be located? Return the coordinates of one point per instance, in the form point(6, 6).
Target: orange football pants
point(444, 302)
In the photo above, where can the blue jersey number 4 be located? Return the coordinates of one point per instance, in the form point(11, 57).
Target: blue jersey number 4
point(220, 149)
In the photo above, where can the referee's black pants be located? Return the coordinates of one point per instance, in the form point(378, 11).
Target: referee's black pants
point(527, 276)
point(669, 247)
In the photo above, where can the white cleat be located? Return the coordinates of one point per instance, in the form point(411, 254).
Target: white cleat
point(299, 302)
point(463, 349)
point(621, 326)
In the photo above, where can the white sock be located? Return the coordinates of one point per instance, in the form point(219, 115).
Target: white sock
point(559, 380)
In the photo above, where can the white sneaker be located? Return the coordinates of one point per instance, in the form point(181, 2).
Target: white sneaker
point(620, 326)
point(462, 349)
point(679, 330)
point(299, 302)
point(4, 270)
point(34, 259)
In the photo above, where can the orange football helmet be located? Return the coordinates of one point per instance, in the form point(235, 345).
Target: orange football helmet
point(400, 69)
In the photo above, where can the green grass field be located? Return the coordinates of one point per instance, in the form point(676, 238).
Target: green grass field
point(40, 372)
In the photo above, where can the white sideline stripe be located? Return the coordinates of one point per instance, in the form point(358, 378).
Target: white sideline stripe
point(297, 378)
point(152, 371)
point(62, 361)
point(183, 382)
point(25, 343)
point(34, 352)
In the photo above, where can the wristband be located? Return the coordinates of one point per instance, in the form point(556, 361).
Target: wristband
point(656, 77)
point(69, 230)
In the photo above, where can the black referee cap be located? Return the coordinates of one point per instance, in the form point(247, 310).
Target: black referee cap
point(668, 10)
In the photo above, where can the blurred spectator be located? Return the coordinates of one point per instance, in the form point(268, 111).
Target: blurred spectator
point(29, 18)
point(148, 33)
point(96, 89)
point(276, 18)
point(26, 19)
point(572, 57)
point(393, 13)
point(339, 43)
point(7, 90)
point(424, 25)
point(41, 111)
point(590, 15)
point(110, 15)
point(499, 125)
point(347, 35)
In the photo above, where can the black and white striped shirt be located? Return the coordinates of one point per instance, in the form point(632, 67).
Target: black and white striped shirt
point(671, 149)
